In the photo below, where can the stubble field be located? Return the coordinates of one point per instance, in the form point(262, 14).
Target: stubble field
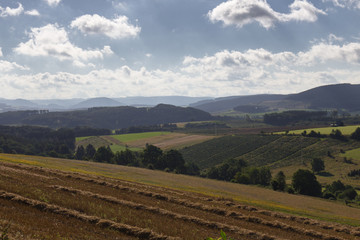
point(44, 198)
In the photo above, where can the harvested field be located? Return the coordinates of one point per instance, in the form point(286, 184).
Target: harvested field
point(137, 141)
point(107, 208)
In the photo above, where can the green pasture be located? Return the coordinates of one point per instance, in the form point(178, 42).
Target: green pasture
point(119, 148)
point(78, 139)
point(125, 138)
point(352, 154)
point(346, 130)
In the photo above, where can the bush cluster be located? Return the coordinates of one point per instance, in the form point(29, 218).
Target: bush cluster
point(151, 157)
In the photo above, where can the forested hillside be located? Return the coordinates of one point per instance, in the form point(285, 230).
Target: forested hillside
point(106, 117)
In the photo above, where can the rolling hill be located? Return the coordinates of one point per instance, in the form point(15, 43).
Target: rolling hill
point(106, 117)
point(97, 102)
point(338, 96)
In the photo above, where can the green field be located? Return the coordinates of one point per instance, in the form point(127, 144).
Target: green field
point(346, 130)
point(352, 154)
point(125, 138)
point(78, 139)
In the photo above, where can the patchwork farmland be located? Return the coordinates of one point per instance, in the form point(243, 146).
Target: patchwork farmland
point(137, 141)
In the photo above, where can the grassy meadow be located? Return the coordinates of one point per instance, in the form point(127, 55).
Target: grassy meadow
point(346, 130)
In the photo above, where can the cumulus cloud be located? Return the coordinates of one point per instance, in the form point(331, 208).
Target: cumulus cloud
point(323, 52)
point(52, 40)
point(6, 66)
point(345, 3)
point(242, 12)
point(5, 12)
point(224, 73)
point(52, 3)
point(33, 12)
point(117, 28)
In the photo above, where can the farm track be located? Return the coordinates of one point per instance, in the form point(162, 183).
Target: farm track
point(55, 191)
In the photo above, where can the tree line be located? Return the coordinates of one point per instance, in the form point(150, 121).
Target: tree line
point(42, 141)
point(303, 181)
point(150, 157)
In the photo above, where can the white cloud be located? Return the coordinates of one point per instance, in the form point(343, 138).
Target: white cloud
point(5, 12)
point(225, 73)
point(323, 52)
point(117, 28)
point(52, 3)
point(242, 12)
point(52, 40)
point(1, 53)
point(33, 12)
point(6, 66)
point(345, 3)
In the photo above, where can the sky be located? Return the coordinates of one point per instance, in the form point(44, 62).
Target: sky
point(201, 48)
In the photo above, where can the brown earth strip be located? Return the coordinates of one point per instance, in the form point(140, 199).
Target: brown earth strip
point(222, 212)
point(123, 228)
point(164, 212)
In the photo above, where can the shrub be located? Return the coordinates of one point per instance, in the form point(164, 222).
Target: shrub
point(242, 178)
point(328, 195)
point(317, 165)
point(348, 194)
point(356, 135)
point(337, 134)
point(290, 190)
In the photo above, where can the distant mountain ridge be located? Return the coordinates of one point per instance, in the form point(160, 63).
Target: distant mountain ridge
point(339, 96)
point(79, 103)
point(106, 117)
point(97, 102)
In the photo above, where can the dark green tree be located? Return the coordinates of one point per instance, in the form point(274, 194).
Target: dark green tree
point(192, 169)
point(104, 154)
point(254, 175)
point(317, 165)
point(356, 135)
point(279, 183)
point(126, 157)
point(264, 176)
point(173, 159)
point(305, 182)
point(80, 153)
point(90, 151)
point(337, 134)
point(151, 155)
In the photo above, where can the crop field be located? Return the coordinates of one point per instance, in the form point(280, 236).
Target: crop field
point(45, 198)
point(286, 153)
point(346, 130)
point(137, 141)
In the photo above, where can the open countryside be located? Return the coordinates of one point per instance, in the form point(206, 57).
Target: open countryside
point(124, 202)
point(135, 141)
point(207, 176)
point(346, 130)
